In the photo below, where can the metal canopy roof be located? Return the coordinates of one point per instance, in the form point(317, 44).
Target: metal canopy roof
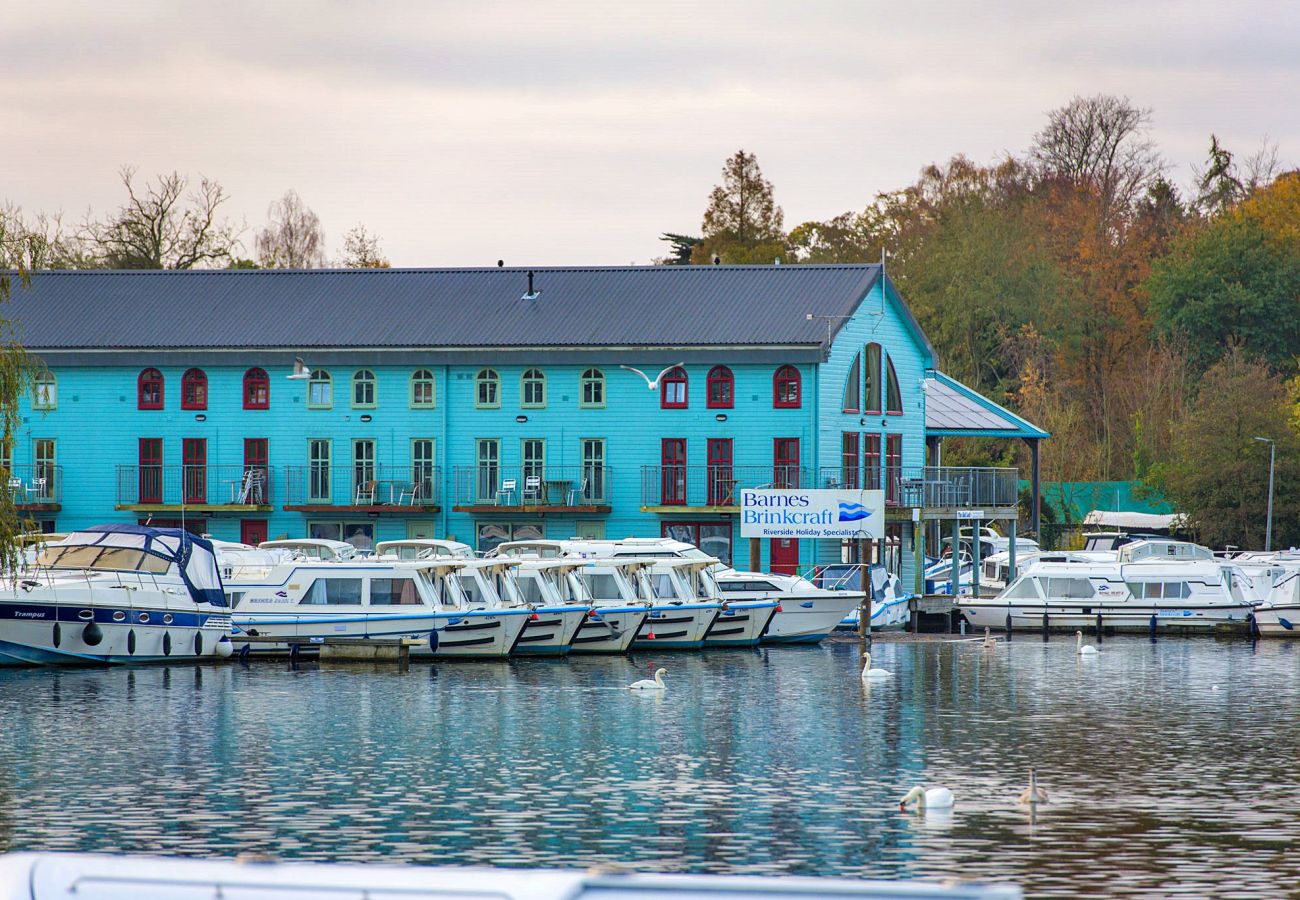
point(952, 409)
point(644, 306)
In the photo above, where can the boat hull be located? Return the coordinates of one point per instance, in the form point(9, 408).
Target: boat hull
point(674, 626)
point(806, 620)
point(1072, 616)
point(741, 623)
point(1279, 621)
point(476, 634)
point(28, 635)
point(610, 629)
point(552, 632)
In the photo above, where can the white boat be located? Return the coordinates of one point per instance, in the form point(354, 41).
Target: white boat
point(1187, 594)
point(115, 594)
point(1278, 615)
point(313, 599)
point(423, 548)
point(558, 605)
point(890, 608)
point(807, 613)
point(85, 876)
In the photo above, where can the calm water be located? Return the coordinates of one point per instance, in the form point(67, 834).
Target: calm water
point(1171, 767)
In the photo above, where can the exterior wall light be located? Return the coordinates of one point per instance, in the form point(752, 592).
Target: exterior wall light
point(366, 417)
point(721, 417)
point(521, 419)
point(200, 418)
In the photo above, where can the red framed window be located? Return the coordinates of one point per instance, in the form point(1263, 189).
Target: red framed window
point(149, 390)
point(722, 484)
point(893, 397)
point(893, 466)
point(255, 480)
point(785, 462)
point(721, 388)
point(786, 384)
point(672, 457)
point(871, 380)
point(672, 389)
point(252, 531)
point(257, 389)
point(871, 462)
point(714, 538)
point(194, 455)
point(151, 480)
point(194, 389)
point(849, 460)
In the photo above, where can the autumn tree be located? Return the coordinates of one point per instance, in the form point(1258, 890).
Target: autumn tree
point(742, 223)
point(361, 250)
point(293, 239)
point(1217, 473)
point(165, 225)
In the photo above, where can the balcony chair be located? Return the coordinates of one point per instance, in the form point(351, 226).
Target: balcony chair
point(532, 489)
point(366, 491)
point(250, 488)
point(571, 499)
point(37, 489)
point(413, 493)
point(17, 490)
point(506, 490)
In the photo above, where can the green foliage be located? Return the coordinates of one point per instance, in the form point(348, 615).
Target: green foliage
point(742, 223)
point(681, 244)
point(18, 370)
point(1230, 284)
point(1217, 474)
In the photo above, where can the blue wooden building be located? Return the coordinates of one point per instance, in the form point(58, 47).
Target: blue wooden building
point(486, 404)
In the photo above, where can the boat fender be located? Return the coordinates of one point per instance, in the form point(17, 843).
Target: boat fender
point(167, 643)
point(778, 608)
point(198, 644)
point(433, 640)
point(244, 651)
point(130, 642)
point(1285, 623)
point(225, 648)
point(92, 634)
point(807, 604)
point(58, 635)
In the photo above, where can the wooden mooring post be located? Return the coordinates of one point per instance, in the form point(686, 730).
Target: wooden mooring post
point(864, 611)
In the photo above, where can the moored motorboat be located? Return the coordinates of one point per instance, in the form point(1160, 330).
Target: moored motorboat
point(115, 594)
point(806, 613)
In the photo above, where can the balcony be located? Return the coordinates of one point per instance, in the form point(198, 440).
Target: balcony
point(365, 488)
point(533, 489)
point(199, 488)
point(37, 488)
point(935, 488)
point(711, 489)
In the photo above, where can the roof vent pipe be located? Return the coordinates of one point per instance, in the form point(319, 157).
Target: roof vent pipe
point(532, 292)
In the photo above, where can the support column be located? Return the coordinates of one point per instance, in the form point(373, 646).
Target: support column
point(918, 553)
point(1035, 486)
point(975, 559)
point(1011, 554)
point(954, 573)
point(755, 555)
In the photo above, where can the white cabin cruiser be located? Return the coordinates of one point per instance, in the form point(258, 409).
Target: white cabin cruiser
point(116, 594)
point(1279, 613)
point(1194, 594)
point(315, 600)
point(557, 603)
point(806, 614)
point(423, 548)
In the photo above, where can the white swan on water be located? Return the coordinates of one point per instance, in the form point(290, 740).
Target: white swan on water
point(934, 798)
point(1080, 647)
point(645, 684)
point(1033, 794)
point(990, 643)
point(870, 674)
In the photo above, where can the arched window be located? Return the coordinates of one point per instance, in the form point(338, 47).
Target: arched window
point(363, 389)
point(257, 389)
point(672, 389)
point(592, 390)
point(893, 397)
point(487, 389)
point(720, 388)
point(149, 390)
point(532, 389)
point(786, 388)
point(853, 386)
point(871, 380)
point(194, 389)
point(320, 390)
point(422, 390)
point(46, 393)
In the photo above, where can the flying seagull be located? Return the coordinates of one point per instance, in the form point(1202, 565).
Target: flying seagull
point(652, 385)
point(300, 371)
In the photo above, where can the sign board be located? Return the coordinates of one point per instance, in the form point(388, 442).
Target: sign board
point(970, 514)
point(793, 513)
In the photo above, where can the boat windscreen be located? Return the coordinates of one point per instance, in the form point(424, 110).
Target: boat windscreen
point(101, 558)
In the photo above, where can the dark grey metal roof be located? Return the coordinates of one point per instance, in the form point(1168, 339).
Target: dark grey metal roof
point(952, 408)
point(645, 306)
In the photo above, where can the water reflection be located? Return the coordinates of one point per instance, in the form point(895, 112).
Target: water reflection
point(1168, 765)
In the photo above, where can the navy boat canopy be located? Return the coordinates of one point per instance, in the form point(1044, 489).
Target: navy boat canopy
point(194, 557)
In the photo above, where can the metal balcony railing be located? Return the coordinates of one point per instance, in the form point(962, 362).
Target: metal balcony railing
point(932, 486)
point(35, 485)
point(713, 485)
point(533, 485)
point(363, 484)
point(194, 484)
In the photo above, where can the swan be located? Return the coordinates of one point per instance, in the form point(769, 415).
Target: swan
point(1080, 647)
point(934, 798)
point(870, 674)
point(645, 684)
point(1033, 794)
point(989, 642)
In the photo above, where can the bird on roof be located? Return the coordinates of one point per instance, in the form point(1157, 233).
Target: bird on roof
point(652, 385)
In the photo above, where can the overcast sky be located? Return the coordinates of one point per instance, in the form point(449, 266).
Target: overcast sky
point(575, 132)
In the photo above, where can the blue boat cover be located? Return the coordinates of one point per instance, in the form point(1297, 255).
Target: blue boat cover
point(194, 557)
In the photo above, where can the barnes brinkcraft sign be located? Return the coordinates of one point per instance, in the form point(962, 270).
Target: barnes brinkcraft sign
point(770, 513)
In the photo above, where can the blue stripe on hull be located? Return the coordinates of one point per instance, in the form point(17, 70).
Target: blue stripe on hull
point(739, 642)
point(796, 639)
point(544, 650)
point(667, 645)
